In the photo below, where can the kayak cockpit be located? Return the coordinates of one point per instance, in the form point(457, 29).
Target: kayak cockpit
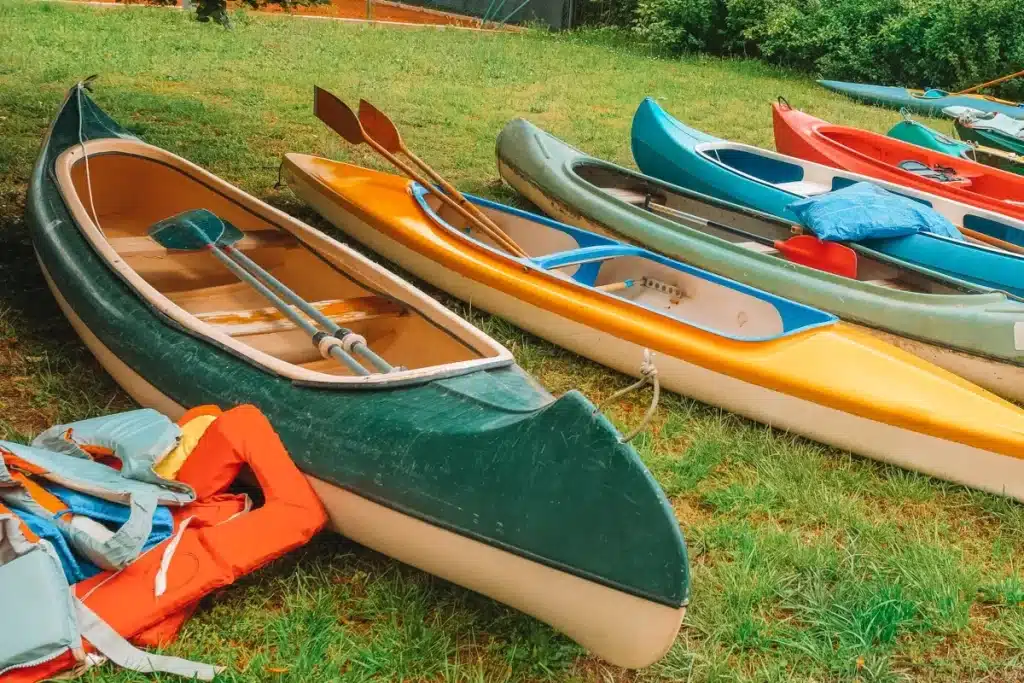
point(129, 186)
point(676, 290)
point(772, 169)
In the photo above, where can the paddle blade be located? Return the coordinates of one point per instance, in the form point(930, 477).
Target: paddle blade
point(188, 231)
point(378, 126)
point(810, 251)
point(230, 235)
point(337, 115)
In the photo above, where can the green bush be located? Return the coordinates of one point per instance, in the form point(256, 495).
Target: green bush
point(939, 43)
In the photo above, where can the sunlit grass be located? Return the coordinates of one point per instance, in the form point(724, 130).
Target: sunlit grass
point(808, 564)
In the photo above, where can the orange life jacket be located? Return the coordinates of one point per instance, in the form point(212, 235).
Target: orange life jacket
point(218, 537)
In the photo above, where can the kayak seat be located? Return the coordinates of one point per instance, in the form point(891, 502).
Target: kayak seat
point(266, 320)
point(626, 195)
point(942, 174)
point(254, 239)
point(804, 188)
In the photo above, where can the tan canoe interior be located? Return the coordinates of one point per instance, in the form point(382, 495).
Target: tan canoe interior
point(636, 191)
point(673, 292)
point(131, 193)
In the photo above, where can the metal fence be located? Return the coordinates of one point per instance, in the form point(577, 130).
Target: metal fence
point(557, 14)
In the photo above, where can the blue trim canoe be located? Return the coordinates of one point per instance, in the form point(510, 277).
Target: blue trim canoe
point(767, 181)
point(929, 102)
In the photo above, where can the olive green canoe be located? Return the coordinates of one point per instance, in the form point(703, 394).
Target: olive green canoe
point(974, 332)
point(456, 462)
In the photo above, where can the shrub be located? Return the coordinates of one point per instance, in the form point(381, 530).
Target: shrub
point(941, 43)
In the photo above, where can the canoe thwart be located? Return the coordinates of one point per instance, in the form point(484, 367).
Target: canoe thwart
point(254, 239)
point(266, 320)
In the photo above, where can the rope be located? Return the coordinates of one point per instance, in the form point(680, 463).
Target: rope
point(85, 154)
point(648, 375)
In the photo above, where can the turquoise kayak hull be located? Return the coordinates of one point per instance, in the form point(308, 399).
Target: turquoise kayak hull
point(920, 102)
point(671, 151)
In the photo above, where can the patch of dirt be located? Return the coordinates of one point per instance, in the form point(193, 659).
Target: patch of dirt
point(372, 10)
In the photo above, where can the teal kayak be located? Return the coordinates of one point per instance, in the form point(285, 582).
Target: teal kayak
point(973, 331)
point(928, 102)
point(770, 182)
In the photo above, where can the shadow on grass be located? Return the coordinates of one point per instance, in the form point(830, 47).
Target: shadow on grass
point(47, 375)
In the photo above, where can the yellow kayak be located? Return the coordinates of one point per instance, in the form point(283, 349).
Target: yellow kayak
point(762, 356)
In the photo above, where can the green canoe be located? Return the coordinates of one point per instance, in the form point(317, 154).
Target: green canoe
point(998, 134)
point(977, 333)
point(917, 133)
point(458, 463)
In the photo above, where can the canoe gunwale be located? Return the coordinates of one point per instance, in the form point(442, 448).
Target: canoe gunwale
point(184, 321)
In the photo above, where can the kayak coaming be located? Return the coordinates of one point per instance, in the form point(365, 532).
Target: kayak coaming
point(527, 585)
point(807, 137)
point(461, 477)
point(972, 334)
point(899, 98)
point(668, 149)
point(420, 247)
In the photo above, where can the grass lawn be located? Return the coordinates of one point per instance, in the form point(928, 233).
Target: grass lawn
point(808, 564)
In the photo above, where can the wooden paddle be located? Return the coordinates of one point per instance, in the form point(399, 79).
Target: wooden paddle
point(993, 241)
point(988, 83)
point(201, 229)
point(806, 250)
point(381, 128)
point(343, 121)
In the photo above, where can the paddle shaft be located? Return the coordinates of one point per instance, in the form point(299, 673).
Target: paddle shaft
point(987, 84)
point(675, 213)
point(302, 323)
point(451, 203)
point(993, 241)
point(300, 303)
point(461, 199)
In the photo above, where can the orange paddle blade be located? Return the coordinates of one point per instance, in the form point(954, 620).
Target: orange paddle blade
point(810, 251)
point(378, 126)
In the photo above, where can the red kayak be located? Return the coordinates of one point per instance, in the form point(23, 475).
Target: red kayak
point(861, 151)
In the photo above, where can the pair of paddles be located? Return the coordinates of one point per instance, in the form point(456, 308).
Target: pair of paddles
point(375, 129)
point(200, 229)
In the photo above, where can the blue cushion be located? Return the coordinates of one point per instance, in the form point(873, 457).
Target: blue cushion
point(865, 211)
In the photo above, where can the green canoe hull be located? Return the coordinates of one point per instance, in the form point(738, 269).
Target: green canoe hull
point(488, 454)
point(921, 135)
point(980, 327)
point(994, 139)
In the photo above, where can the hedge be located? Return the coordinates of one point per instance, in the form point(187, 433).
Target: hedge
point(936, 43)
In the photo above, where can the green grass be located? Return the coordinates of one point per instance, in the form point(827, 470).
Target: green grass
point(808, 564)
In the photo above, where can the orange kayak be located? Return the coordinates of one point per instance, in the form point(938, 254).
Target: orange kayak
point(860, 151)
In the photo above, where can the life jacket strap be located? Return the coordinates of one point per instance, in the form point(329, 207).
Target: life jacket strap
point(111, 645)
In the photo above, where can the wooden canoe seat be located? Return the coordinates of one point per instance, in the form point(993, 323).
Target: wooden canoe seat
point(254, 239)
point(265, 320)
point(628, 196)
point(891, 283)
point(758, 247)
point(804, 188)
